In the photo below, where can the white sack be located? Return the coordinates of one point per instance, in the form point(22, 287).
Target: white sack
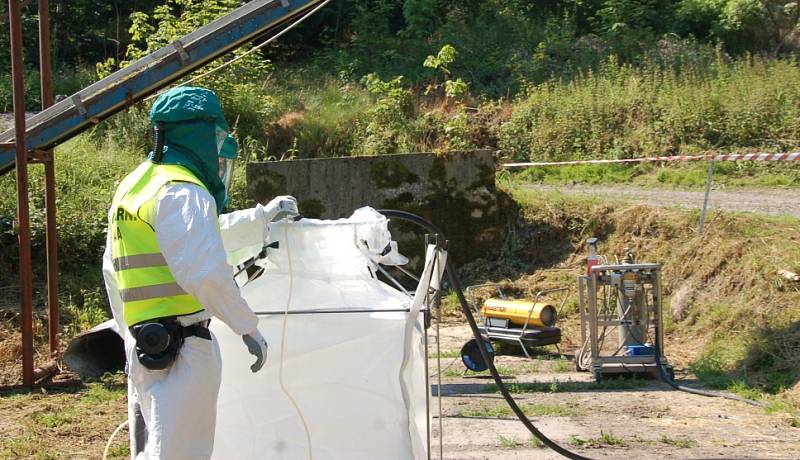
point(342, 369)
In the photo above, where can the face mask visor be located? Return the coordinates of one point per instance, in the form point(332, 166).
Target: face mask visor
point(226, 172)
point(221, 136)
point(227, 158)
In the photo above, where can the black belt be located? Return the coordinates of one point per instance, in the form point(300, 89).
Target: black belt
point(197, 330)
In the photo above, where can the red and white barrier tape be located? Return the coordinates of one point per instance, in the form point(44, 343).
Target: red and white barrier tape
point(786, 156)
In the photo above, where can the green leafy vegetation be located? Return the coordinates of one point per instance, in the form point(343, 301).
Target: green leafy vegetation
point(692, 175)
point(605, 439)
point(624, 111)
point(561, 365)
point(445, 354)
point(682, 442)
point(609, 439)
point(535, 442)
point(56, 417)
point(504, 370)
point(508, 442)
point(532, 410)
point(569, 387)
point(555, 80)
point(27, 446)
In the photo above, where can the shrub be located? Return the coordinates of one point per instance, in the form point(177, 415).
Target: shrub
point(623, 111)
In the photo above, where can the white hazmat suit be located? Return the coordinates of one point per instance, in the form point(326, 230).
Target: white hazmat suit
point(178, 404)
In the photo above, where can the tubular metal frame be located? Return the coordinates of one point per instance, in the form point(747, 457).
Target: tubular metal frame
point(512, 334)
point(592, 322)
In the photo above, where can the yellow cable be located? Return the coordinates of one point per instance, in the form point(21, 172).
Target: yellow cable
point(110, 439)
point(283, 341)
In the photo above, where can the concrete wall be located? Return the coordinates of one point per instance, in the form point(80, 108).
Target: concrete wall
point(456, 191)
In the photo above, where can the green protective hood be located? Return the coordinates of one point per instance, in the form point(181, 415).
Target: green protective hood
point(230, 148)
point(190, 117)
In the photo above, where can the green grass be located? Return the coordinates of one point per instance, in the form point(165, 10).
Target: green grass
point(531, 410)
point(575, 441)
point(535, 442)
point(569, 387)
point(683, 442)
point(100, 392)
point(503, 370)
point(451, 308)
point(508, 442)
point(122, 450)
point(689, 176)
point(65, 423)
point(561, 365)
point(623, 111)
point(56, 417)
point(605, 439)
point(87, 169)
point(445, 354)
point(609, 439)
point(28, 446)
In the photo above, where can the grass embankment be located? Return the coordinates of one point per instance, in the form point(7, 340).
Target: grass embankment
point(684, 175)
point(716, 103)
point(618, 111)
point(731, 319)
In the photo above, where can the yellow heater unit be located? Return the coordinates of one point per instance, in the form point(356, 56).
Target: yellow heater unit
point(517, 312)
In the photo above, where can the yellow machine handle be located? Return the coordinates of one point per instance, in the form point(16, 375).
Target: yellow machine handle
point(517, 311)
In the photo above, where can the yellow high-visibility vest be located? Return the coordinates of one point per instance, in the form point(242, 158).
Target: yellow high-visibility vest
point(145, 283)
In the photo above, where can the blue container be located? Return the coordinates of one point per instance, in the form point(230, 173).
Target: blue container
point(639, 350)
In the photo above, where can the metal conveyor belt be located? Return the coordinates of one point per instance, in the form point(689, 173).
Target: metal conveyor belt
point(149, 74)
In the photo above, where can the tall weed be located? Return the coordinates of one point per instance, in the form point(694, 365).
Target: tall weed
point(622, 111)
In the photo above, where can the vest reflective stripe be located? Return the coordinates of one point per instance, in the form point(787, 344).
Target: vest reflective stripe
point(151, 292)
point(138, 277)
point(139, 261)
point(146, 285)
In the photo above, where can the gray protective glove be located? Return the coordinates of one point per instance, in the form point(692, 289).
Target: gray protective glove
point(280, 207)
point(257, 346)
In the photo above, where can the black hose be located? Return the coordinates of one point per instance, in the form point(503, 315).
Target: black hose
point(456, 285)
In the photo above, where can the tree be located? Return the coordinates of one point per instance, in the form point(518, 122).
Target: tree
point(783, 17)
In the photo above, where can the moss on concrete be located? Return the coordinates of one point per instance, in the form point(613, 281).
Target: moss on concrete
point(269, 184)
point(312, 208)
point(391, 173)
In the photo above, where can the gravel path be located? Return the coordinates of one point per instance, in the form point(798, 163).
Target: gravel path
point(764, 201)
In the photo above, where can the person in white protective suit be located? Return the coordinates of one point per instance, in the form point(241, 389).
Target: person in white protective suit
point(166, 275)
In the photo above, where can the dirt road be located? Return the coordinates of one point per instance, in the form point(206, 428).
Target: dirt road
point(764, 201)
point(621, 419)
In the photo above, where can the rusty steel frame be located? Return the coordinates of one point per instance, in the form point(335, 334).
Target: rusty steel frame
point(46, 78)
point(213, 40)
point(23, 210)
point(23, 159)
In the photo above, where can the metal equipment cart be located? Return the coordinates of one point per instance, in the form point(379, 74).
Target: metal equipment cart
point(625, 297)
point(527, 335)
